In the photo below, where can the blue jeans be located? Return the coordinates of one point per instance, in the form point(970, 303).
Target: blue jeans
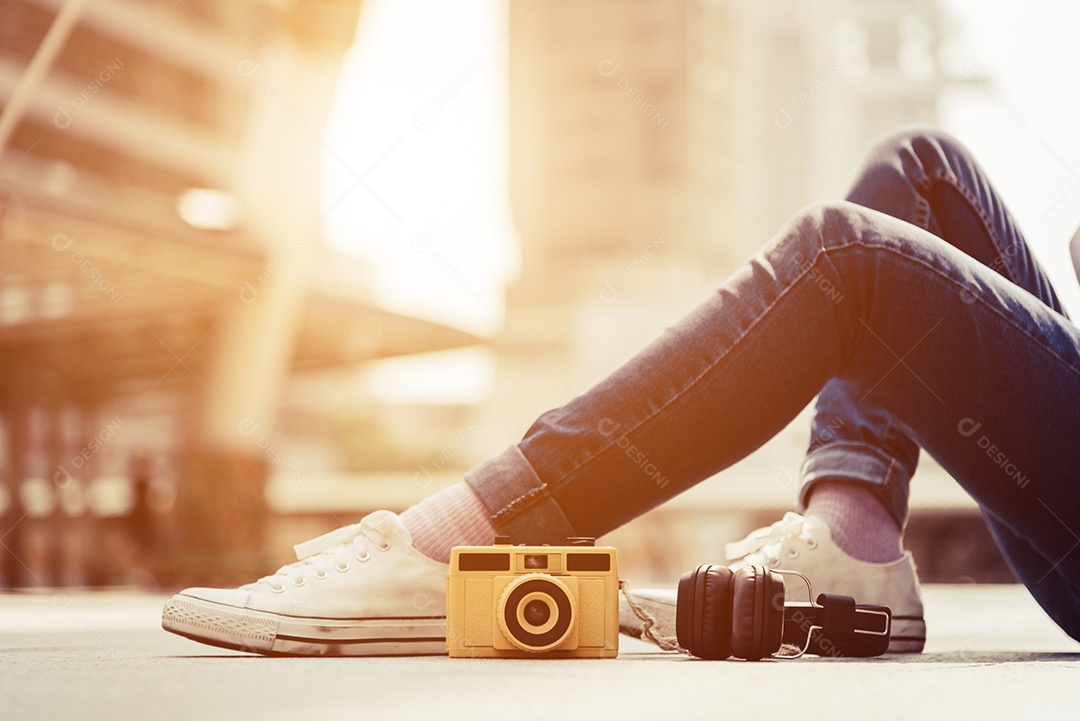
point(929, 179)
point(962, 362)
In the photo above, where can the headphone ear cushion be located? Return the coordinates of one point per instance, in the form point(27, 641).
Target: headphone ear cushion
point(716, 613)
point(684, 610)
point(703, 612)
point(757, 612)
point(774, 616)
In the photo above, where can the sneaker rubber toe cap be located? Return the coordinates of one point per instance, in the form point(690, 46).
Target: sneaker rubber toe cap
point(235, 597)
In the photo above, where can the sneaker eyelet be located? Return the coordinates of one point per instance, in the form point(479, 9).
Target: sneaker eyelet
point(811, 544)
point(792, 553)
point(774, 562)
point(342, 567)
point(301, 582)
point(361, 557)
point(383, 547)
point(277, 589)
point(320, 575)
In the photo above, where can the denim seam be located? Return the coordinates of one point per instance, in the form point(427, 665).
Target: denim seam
point(861, 446)
point(922, 212)
point(735, 344)
point(892, 474)
point(823, 252)
point(512, 505)
point(883, 485)
point(850, 449)
point(953, 182)
point(535, 493)
point(894, 433)
point(955, 282)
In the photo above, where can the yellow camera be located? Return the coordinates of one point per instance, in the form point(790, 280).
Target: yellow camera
point(507, 601)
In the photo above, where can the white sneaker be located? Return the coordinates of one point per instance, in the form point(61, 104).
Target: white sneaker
point(362, 590)
point(805, 545)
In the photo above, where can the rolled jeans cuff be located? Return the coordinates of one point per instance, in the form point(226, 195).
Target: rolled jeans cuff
point(858, 463)
point(520, 503)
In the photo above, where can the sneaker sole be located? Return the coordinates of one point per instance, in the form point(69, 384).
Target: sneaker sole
point(243, 629)
point(908, 634)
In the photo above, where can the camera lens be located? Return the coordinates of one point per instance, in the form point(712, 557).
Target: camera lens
point(536, 613)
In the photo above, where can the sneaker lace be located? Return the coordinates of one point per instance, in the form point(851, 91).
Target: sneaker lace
point(333, 550)
point(764, 545)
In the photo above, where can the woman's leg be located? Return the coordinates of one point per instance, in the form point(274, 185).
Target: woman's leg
point(927, 178)
point(1043, 575)
point(983, 376)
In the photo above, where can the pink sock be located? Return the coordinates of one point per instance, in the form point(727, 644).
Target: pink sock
point(860, 525)
point(452, 517)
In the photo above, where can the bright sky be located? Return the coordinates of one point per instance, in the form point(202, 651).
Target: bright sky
point(420, 122)
point(1025, 127)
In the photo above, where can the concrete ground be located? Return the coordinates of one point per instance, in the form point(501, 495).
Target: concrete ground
point(991, 654)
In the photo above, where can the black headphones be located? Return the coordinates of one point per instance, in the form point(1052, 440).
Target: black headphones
point(721, 613)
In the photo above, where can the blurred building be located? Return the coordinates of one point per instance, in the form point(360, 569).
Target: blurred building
point(166, 303)
point(654, 147)
point(162, 275)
